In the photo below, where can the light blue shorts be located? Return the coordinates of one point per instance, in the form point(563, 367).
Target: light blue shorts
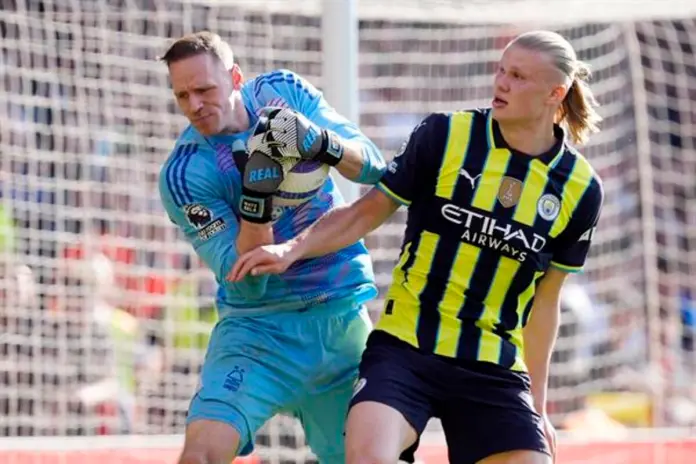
point(299, 363)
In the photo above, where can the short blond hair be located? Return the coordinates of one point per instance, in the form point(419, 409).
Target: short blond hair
point(578, 111)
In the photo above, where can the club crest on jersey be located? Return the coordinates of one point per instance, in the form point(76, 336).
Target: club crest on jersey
point(198, 215)
point(549, 206)
point(509, 191)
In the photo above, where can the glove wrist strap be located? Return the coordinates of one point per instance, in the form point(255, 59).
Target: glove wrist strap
point(331, 151)
point(256, 209)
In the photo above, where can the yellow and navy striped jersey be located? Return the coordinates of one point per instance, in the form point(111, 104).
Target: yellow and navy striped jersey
point(485, 222)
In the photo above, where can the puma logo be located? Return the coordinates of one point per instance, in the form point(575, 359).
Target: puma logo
point(463, 172)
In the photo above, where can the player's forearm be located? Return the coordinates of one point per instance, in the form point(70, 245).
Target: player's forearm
point(343, 226)
point(337, 229)
point(253, 235)
point(362, 162)
point(539, 339)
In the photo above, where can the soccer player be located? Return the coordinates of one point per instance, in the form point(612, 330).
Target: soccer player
point(500, 209)
point(289, 343)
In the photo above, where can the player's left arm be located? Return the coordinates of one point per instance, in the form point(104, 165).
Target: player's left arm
point(208, 222)
point(362, 161)
point(345, 146)
point(570, 253)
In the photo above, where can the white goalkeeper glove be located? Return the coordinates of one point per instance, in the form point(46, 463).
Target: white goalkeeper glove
point(289, 134)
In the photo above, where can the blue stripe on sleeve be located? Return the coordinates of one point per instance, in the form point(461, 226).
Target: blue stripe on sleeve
point(277, 77)
point(186, 194)
point(180, 193)
point(171, 170)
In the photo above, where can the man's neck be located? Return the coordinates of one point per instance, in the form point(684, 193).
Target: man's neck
point(533, 139)
point(239, 119)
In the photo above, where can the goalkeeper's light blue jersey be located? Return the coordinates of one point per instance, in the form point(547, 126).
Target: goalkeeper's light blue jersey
point(200, 187)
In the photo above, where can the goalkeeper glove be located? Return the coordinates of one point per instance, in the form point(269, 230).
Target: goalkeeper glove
point(261, 177)
point(295, 136)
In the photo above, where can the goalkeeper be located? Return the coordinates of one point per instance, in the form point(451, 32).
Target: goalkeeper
point(289, 343)
point(492, 232)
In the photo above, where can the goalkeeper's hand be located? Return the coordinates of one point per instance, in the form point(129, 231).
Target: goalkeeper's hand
point(261, 177)
point(289, 134)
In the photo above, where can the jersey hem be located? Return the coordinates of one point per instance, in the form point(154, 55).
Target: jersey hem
point(568, 269)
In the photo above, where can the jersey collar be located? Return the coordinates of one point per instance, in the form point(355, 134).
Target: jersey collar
point(551, 157)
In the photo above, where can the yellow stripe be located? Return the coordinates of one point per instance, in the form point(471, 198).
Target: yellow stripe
point(565, 268)
point(525, 297)
point(516, 335)
point(457, 143)
point(492, 174)
point(489, 130)
point(580, 179)
point(387, 191)
point(489, 347)
point(534, 185)
point(519, 364)
point(404, 322)
point(453, 299)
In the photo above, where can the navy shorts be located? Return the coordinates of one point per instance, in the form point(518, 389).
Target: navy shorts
point(485, 409)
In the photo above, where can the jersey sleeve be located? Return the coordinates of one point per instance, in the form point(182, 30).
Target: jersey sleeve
point(574, 242)
point(308, 100)
point(207, 221)
point(404, 178)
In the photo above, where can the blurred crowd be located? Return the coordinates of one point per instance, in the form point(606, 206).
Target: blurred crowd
point(105, 312)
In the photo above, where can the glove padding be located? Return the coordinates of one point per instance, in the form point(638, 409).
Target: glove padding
point(284, 133)
point(261, 178)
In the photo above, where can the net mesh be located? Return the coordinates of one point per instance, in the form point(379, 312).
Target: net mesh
point(100, 298)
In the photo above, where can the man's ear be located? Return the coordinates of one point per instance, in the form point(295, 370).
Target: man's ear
point(237, 77)
point(558, 93)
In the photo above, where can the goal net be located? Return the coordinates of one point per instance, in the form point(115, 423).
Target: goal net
point(105, 311)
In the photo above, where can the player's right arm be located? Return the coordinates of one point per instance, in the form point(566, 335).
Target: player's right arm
point(345, 225)
point(207, 221)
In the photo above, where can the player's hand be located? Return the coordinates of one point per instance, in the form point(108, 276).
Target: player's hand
point(268, 259)
point(550, 433)
point(289, 134)
point(261, 177)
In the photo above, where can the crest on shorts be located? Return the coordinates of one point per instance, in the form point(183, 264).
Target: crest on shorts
point(549, 206)
point(509, 191)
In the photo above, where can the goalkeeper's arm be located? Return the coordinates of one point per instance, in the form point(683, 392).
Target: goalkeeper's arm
point(356, 161)
point(340, 142)
point(361, 160)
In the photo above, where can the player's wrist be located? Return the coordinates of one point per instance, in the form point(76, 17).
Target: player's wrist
point(331, 151)
point(261, 178)
point(295, 249)
point(255, 208)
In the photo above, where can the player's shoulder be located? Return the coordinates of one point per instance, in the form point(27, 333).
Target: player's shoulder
point(187, 166)
point(584, 173)
point(464, 116)
point(279, 87)
point(583, 167)
point(434, 124)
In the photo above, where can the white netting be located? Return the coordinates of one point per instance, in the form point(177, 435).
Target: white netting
point(87, 116)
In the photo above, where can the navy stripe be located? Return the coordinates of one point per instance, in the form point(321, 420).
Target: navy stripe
point(186, 194)
point(176, 173)
point(528, 309)
point(171, 173)
point(430, 297)
point(297, 195)
point(276, 77)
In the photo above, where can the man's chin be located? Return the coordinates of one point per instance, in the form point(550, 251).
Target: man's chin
point(206, 129)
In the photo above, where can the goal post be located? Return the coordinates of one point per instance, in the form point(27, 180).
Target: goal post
point(339, 32)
